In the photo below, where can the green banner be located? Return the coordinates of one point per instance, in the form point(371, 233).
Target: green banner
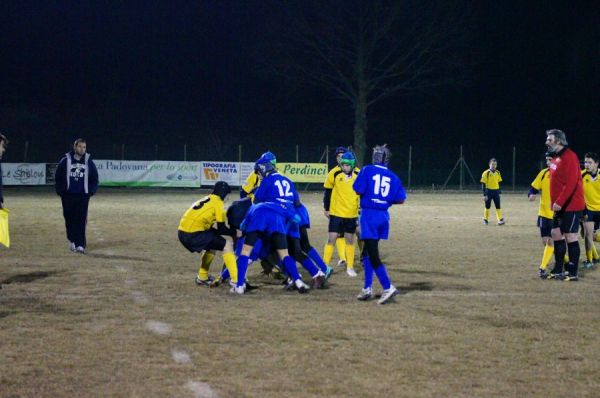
point(304, 172)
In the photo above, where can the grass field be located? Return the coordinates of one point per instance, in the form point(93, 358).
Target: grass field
point(127, 320)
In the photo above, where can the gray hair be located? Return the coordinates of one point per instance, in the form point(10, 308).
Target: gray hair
point(559, 136)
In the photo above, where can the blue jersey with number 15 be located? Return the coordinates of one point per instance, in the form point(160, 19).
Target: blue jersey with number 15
point(378, 187)
point(276, 188)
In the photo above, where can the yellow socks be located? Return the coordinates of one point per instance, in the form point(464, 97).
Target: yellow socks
point(231, 265)
point(486, 214)
point(595, 255)
point(340, 244)
point(350, 255)
point(327, 253)
point(548, 253)
point(499, 214)
point(206, 261)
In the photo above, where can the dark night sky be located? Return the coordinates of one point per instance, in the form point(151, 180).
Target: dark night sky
point(164, 70)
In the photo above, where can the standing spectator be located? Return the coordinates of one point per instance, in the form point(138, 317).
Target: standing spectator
point(566, 197)
point(3, 144)
point(76, 181)
point(490, 183)
point(591, 214)
point(379, 188)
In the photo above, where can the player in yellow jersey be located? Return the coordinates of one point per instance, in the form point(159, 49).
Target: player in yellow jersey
point(340, 242)
point(250, 186)
point(490, 183)
point(591, 193)
point(341, 207)
point(197, 233)
point(541, 184)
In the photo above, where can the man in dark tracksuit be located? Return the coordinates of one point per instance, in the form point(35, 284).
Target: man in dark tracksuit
point(76, 181)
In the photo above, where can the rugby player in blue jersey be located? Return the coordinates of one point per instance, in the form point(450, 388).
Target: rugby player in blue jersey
point(379, 188)
point(270, 219)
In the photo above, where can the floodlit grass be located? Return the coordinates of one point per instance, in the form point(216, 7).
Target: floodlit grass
point(127, 320)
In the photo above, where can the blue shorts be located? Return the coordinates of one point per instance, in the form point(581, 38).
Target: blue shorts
point(374, 224)
point(545, 226)
point(591, 216)
point(267, 218)
point(304, 218)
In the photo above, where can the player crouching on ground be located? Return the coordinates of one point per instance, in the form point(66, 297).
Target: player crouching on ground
point(591, 214)
point(379, 188)
point(196, 232)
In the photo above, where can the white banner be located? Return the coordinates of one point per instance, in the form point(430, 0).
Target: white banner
point(148, 173)
point(220, 171)
point(24, 173)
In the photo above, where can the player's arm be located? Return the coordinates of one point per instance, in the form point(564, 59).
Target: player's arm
point(360, 184)
point(400, 195)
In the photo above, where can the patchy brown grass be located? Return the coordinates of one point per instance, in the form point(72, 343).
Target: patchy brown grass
point(474, 320)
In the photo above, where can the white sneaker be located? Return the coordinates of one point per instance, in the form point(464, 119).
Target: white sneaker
point(72, 246)
point(365, 294)
point(341, 263)
point(238, 289)
point(302, 287)
point(80, 249)
point(388, 294)
point(351, 272)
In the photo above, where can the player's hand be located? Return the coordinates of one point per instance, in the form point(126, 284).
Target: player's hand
point(556, 207)
point(485, 198)
point(326, 212)
point(531, 198)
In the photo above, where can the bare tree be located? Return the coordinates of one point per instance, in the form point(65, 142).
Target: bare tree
point(363, 51)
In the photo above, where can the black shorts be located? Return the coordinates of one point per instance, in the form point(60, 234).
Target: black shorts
point(591, 216)
point(567, 221)
point(203, 240)
point(545, 226)
point(277, 240)
point(342, 225)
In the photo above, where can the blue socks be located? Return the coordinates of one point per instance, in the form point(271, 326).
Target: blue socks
point(242, 266)
point(290, 267)
point(368, 268)
point(314, 255)
point(382, 276)
point(310, 267)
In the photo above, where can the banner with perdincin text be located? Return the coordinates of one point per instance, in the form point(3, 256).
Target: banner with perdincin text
point(304, 172)
point(133, 173)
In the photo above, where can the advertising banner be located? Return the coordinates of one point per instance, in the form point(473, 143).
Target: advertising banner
point(24, 173)
point(304, 172)
point(220, 171)
point(133, 173)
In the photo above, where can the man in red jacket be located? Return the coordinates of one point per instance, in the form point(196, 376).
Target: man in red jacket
point(566, 196)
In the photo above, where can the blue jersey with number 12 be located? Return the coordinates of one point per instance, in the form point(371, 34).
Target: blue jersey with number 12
point(378, 187)
point(276, 188)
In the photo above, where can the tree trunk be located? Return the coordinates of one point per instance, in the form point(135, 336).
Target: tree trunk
point(360, 128)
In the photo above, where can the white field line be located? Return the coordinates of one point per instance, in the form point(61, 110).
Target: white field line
point(140, 297)
point(158, 327)
point(180, 356)
point(121, 268)
point(200, 390)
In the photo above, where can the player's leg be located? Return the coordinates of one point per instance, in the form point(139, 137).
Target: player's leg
point(367, 290)
point(279, 242)
point(486, 209)
point(545, 226)
point(295, 250)
point(588, 233)
point(570, 230)
point(340, 245)
point(242, 261)
point(312, 253)
point(349, 236)
point(496, 199)
point(333, 233)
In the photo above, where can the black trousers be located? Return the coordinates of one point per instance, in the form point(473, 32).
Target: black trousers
point(75, 210)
